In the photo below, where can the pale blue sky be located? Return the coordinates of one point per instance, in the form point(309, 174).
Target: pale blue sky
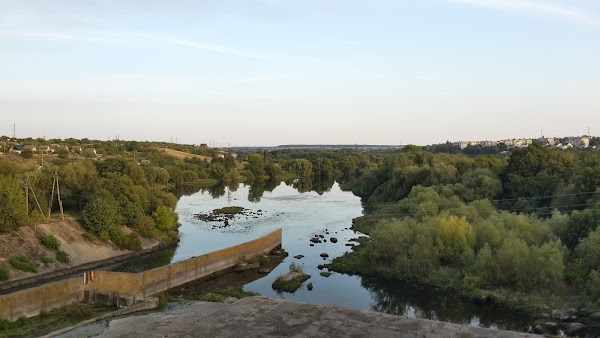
point(268, 72)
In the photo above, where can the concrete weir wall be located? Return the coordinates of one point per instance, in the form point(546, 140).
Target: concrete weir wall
point(30, 302)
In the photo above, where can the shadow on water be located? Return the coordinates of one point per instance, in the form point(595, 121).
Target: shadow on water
point(398, 298)
point(227, 279)
point(148, 262)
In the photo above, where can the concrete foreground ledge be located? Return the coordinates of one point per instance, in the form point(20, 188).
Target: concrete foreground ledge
point(268, 317)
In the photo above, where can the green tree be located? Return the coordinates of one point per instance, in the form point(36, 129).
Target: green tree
point(189, 176)
point(485, 266)
point(102, 213)
point(164, 218)
point(12, 204)
point(302, 168)
point(455, 237)
point(256, 165)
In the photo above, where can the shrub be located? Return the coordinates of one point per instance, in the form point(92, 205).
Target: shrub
point(145, 226)
point(4, 273)
point(62, 256)
point(27, 153)
point(134, 242)
point(46, 260)
point(102, 213)
point(51, 242)
point(12, 199)
point(23, 263)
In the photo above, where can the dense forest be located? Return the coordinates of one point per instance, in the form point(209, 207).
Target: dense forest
point(522, 231)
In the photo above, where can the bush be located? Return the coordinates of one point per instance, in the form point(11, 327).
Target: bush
point(12, 200)
point(23, 263)
point(62, 257)
point(164, 218)
point(4, 273)
point(46, 260)
point(134, 242)
point(51, 242)
point(102, 213)
point(145, 226)
point(27, 153)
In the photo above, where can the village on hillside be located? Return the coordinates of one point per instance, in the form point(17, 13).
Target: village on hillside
point(580, 142)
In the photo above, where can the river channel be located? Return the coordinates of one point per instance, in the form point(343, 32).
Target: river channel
point(302, 215)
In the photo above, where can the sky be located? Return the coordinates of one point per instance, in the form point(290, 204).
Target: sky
point(270, 72)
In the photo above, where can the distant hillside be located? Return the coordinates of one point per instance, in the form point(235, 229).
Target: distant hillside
point(182, 155)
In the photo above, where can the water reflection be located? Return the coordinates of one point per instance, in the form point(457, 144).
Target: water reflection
point(395, 297)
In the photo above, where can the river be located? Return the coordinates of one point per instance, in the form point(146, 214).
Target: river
point(302, 214)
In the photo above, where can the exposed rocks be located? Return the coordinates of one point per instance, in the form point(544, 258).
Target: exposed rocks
point(333, 240)
point(299, 256)
point(264, 271)
point(311, 244)
point(245, 266)
point(290, 282)
point(323, 266)
point(325, 274)
point(324, 255)
point(315, 240)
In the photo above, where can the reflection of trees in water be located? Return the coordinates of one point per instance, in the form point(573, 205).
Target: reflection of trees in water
point(320, 186)
point(323, 185)
point(233, 186)
point(258, 188)
point(215, 191)
point(303, 185)
point(187, 190)
point(398, 298)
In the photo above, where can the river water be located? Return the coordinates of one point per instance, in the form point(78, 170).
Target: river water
point(302, 215)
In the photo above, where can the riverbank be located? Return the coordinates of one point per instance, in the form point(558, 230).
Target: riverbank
point(261, 316)
point(84, 253)
point(552, 312)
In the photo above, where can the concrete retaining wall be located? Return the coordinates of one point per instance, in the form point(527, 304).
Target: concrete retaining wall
point(53, 295)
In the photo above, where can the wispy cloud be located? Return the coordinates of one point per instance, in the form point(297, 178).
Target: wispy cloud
point(125, 37)
point(539, 7)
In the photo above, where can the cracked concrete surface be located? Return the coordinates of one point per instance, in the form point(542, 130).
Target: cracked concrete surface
point(267, 317)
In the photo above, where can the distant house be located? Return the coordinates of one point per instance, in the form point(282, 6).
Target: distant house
point(76, 149)
point(43, 149)
point(145, 162)
point(90, 152)
point(203, 145)
point(16, 149)
point(5, 138)
point(30, 147)
point(565, 146)
point(54, 147)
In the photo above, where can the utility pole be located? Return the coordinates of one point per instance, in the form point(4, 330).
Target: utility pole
point(26, 199)
point(34, 197)
point(55, 184)
point(15, 131)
